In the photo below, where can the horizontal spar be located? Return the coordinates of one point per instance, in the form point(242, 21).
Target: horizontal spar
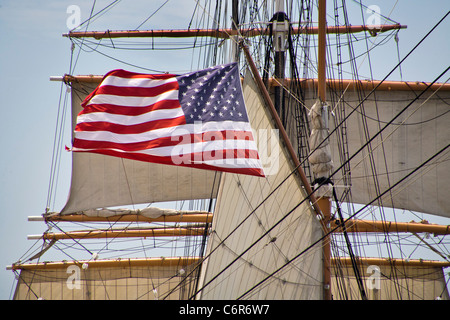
point(122, 233)
point(225, 33)
point(367, 226)
point(110, 263)
point(183, 261)
point(200, 217)
point(367, 85)
point(390, 262)
point(335, 84)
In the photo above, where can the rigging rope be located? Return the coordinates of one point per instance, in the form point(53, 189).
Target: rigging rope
point(349, 246)
point(348, 219)
point(337, 170)
point(116, 1)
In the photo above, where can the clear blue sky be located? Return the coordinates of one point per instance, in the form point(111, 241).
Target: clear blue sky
point(32, 49)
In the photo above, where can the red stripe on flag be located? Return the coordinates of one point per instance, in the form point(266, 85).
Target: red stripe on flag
point(129, 75)
point(168, 160)
point(131, 129)
point(137, 91)
point(131, 111)
point(133, 75)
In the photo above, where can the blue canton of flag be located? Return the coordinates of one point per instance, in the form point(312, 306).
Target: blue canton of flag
point(212, 94)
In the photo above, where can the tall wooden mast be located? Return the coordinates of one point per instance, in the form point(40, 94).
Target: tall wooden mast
point(322, 60)
point(235, 27)
point(324, 202)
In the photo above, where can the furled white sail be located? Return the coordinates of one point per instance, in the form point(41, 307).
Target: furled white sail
point(100, 181)
point(416, 135)
point(320, 157)
point(240, 197)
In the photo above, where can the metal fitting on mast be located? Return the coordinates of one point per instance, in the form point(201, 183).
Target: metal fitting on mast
point(280, 27)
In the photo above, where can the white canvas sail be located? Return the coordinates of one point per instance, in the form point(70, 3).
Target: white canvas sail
point(240, 196)
point(100, 181)
point(396, 281)
point(416, 135)
point(264, 241)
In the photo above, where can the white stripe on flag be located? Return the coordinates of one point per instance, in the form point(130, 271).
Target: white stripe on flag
point(135, 82)
point(131, 120)
point(132, 101)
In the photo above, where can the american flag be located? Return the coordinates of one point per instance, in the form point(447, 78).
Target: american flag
point(197, 120)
